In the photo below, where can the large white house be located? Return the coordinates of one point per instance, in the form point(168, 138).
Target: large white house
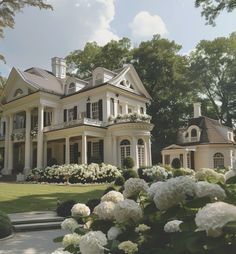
point(203, 143)
point(50, 116)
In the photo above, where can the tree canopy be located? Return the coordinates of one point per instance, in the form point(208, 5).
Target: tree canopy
point(212, 69)
point(212, 8)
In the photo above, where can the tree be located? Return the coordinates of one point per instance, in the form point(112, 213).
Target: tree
point(111, 56)
point(8, 9)
point(163, 72)
point(212, 69)
point(212, 8)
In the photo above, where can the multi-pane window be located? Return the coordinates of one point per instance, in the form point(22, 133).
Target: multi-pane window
point(70, 114)
point(71, 88)
point(141, 150)
point(120, 110)
point(112, 107)
point(188, 160)
point(95, 110)
point(124, 149)
point(141, 110)
point(48, 119)
point(95, 149)
point(218, 160)
point(167, 159)
point(130, 110)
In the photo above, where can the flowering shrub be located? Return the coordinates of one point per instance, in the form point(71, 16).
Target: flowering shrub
point(176, 216)
point(74, 173)
point(131, 117)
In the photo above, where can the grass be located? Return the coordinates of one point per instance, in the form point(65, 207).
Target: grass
point(15, 197)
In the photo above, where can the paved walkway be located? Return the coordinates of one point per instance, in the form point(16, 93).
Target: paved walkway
point(32, 215)
point(36, 242)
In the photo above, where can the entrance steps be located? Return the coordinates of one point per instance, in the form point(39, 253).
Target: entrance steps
point(36, 222)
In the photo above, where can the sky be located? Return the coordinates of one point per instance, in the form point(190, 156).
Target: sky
point(40, 35)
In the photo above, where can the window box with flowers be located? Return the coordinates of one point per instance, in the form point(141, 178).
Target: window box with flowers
point(132, 117)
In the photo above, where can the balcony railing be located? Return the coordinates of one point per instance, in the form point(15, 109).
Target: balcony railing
point(191, 139)
point(18, 134)
point(73, 123)
point(132, 117)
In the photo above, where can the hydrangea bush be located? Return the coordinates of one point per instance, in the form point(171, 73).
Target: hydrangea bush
point(180, 215)
point(75, 173)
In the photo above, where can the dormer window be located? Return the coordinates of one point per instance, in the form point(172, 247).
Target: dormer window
point(192, 134)
point(127, 84)
point(71, 88)
point(99, 79)
point(230, 136)
point(18, 92)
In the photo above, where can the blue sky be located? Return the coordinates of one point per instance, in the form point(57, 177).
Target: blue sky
point(40, 35)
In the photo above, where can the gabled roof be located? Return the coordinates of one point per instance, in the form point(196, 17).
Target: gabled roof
point(173, 147)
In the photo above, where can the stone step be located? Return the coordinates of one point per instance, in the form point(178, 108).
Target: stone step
point(36, 220)
point(37, 226)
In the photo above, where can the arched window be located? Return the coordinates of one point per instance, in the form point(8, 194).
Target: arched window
point(99, 79)
point(193, 133)
point(124, 149)
point(218, 160)
point(71, 88)
point(141, 160)
point(18, 92)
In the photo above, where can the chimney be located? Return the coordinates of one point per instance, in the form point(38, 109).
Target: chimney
point(197, 110)
point(59, 67)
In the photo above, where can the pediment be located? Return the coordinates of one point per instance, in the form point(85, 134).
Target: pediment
point(16, 87)
point(129, 80)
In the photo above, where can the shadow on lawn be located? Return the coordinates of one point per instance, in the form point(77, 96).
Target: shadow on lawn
point(45, 202)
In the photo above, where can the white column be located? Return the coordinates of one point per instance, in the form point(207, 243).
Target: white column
point(185, 160)
point(106, 108)
point(40, 137)
point(27, 142)
point(134, 152)
point(45, 148)
point(55, 118)
point(115, 107)
point(107, 150)
point(150, 151)
point(5, 171)
point(115, 154)
point(10, 143)
point(67, 160)
point(126, 108)
point(146, 155)
point(84, 149)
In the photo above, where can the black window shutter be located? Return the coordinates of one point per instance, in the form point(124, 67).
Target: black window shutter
point(75, 113)
point(4, 128)
point(64, 154)
point(89, 152)
point(88, 109)
point(65, 115)
point(44, 118)
point(100, 110)
point(101, 150)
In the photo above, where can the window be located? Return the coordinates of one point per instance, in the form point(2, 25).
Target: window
point(167, 159)
point(112, 107)
point(141, 110)
point(129, 110)
point(48, 119)
point(188, 160)
point(193, 133)
point(70, 114)
point(99, 79)
point(218, 160)
point(71, 88)
point(95, 150)
point(120, 110)
point(18, 92)
point(124, 149)
point(95, 110)
point(141, 160)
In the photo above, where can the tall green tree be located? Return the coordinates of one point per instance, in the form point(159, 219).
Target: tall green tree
point(212, 69)
point(212, 8)
point(112, 56)
point(163, 71)
point(9, 8)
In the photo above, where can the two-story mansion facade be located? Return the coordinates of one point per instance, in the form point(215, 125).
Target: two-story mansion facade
point(49, 117)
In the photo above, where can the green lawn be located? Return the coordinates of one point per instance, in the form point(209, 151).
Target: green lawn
point(15, 197)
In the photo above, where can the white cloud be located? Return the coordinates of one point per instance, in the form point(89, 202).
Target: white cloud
point(145, 25)
point(40, 35)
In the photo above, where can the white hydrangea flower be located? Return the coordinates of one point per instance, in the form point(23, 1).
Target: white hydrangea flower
point(229, 174)
point(174, 191)
point(133, 186)
point(93, 242)
point(173, 226)
point(152, 189)
point(207, 173)
point(113, 232)
point(156, 172)
point(80, 210)
point(212, 217)
point(105, 210)
point(60, 251)
point(127, 211)
point(113, 196)
point(71, 239)
point(212, 190)
point(142, 228)
point(69, 224)
point(128, 247)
